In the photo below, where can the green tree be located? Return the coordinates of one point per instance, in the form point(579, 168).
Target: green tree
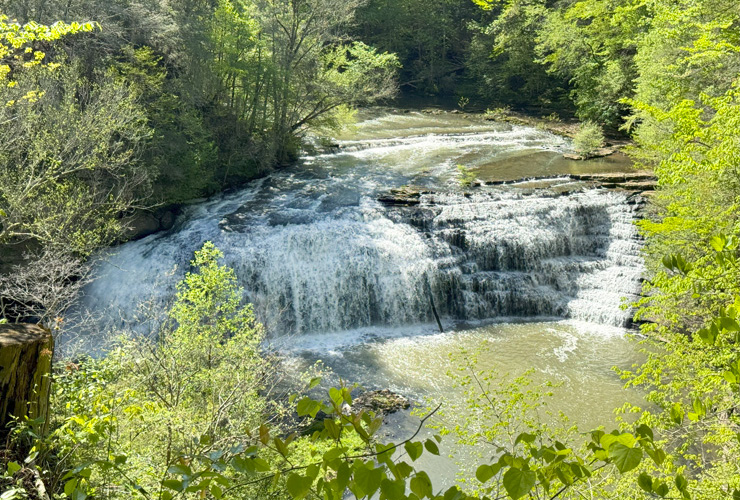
point(193, 390)
point(181, 152)
point(503, 55)
point(430, 38)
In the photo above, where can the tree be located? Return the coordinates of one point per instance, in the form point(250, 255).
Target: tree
point(430, 38)
point(68, 166)
point(193, 390)
point(503, 56)
point(312, 71)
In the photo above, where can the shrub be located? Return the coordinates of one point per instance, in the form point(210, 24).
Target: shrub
point(467, 176)
point(588, 139)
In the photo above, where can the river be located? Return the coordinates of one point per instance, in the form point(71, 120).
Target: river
point(540, 275)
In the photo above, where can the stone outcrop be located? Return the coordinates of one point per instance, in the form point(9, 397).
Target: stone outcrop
point(628, 181)
point(383, 402)
point(145, 222)
point(597, 153)
point(405, 196)
point(638, 181)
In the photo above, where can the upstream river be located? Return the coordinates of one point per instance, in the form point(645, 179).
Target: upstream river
point(538, 275)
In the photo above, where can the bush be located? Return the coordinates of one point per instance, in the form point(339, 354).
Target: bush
point(195, 389)
point(588, 139)
point(467, 177)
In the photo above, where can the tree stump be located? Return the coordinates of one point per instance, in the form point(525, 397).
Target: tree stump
point(25, 366)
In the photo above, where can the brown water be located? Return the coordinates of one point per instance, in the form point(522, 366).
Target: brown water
point(577, 357)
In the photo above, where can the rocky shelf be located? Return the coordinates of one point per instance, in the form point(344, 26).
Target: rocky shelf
point(639, 182)
point(405, 196)
point(629, 181)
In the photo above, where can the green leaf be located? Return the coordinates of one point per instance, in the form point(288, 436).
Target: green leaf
point(677, 413)
point(656, 454)
point(280, 446)
point(669, 262)
point(314, 382)
point(519, 482)
point(391, 490)
point(730, 324)
point(308, 406)
point(332, 429)
point(525, 437)
point(368, 479)
point(402, 470)
point(180, 469)
point(414, 449)
point(645, 482)
point(173, 484)
point(78, 495)
point(264, 434)
point(421, 485)
point(625, 458)
point(431, 447)
point(485, 472)
point(13, 467)
point(718, 243)
point(661, 489)
point(681, 483)
point(706, 335)
point(216, 491)
point(70, 486)
point(298, 486)
point(336, 396)
point(261, 465)
point(645, 432)
point(454, 493)
point(243, 465)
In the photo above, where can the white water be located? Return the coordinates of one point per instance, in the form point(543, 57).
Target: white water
point(316, 253)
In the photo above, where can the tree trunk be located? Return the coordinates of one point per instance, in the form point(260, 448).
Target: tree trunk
point(25, 366)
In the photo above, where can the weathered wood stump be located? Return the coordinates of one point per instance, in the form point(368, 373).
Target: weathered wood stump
point(25, 366)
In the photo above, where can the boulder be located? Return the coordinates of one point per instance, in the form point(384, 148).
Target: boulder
point(382, 402)
point(404, 196)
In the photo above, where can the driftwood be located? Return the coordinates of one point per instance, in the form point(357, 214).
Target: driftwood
point(25, 366)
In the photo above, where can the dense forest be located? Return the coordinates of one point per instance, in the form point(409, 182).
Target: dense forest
point(110, 109)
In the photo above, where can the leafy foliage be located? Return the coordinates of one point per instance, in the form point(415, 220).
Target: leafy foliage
point(588, 139)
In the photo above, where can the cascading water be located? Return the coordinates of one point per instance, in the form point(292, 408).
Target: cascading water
point(339, 276)
point(316, 252)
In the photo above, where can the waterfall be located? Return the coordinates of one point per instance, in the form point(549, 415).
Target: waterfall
point(316, 252)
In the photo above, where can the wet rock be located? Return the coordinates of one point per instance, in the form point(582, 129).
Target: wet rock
point(616, 177)
point(145, 222)
point(383, 402)
point(404, 196)
point(599, 153)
